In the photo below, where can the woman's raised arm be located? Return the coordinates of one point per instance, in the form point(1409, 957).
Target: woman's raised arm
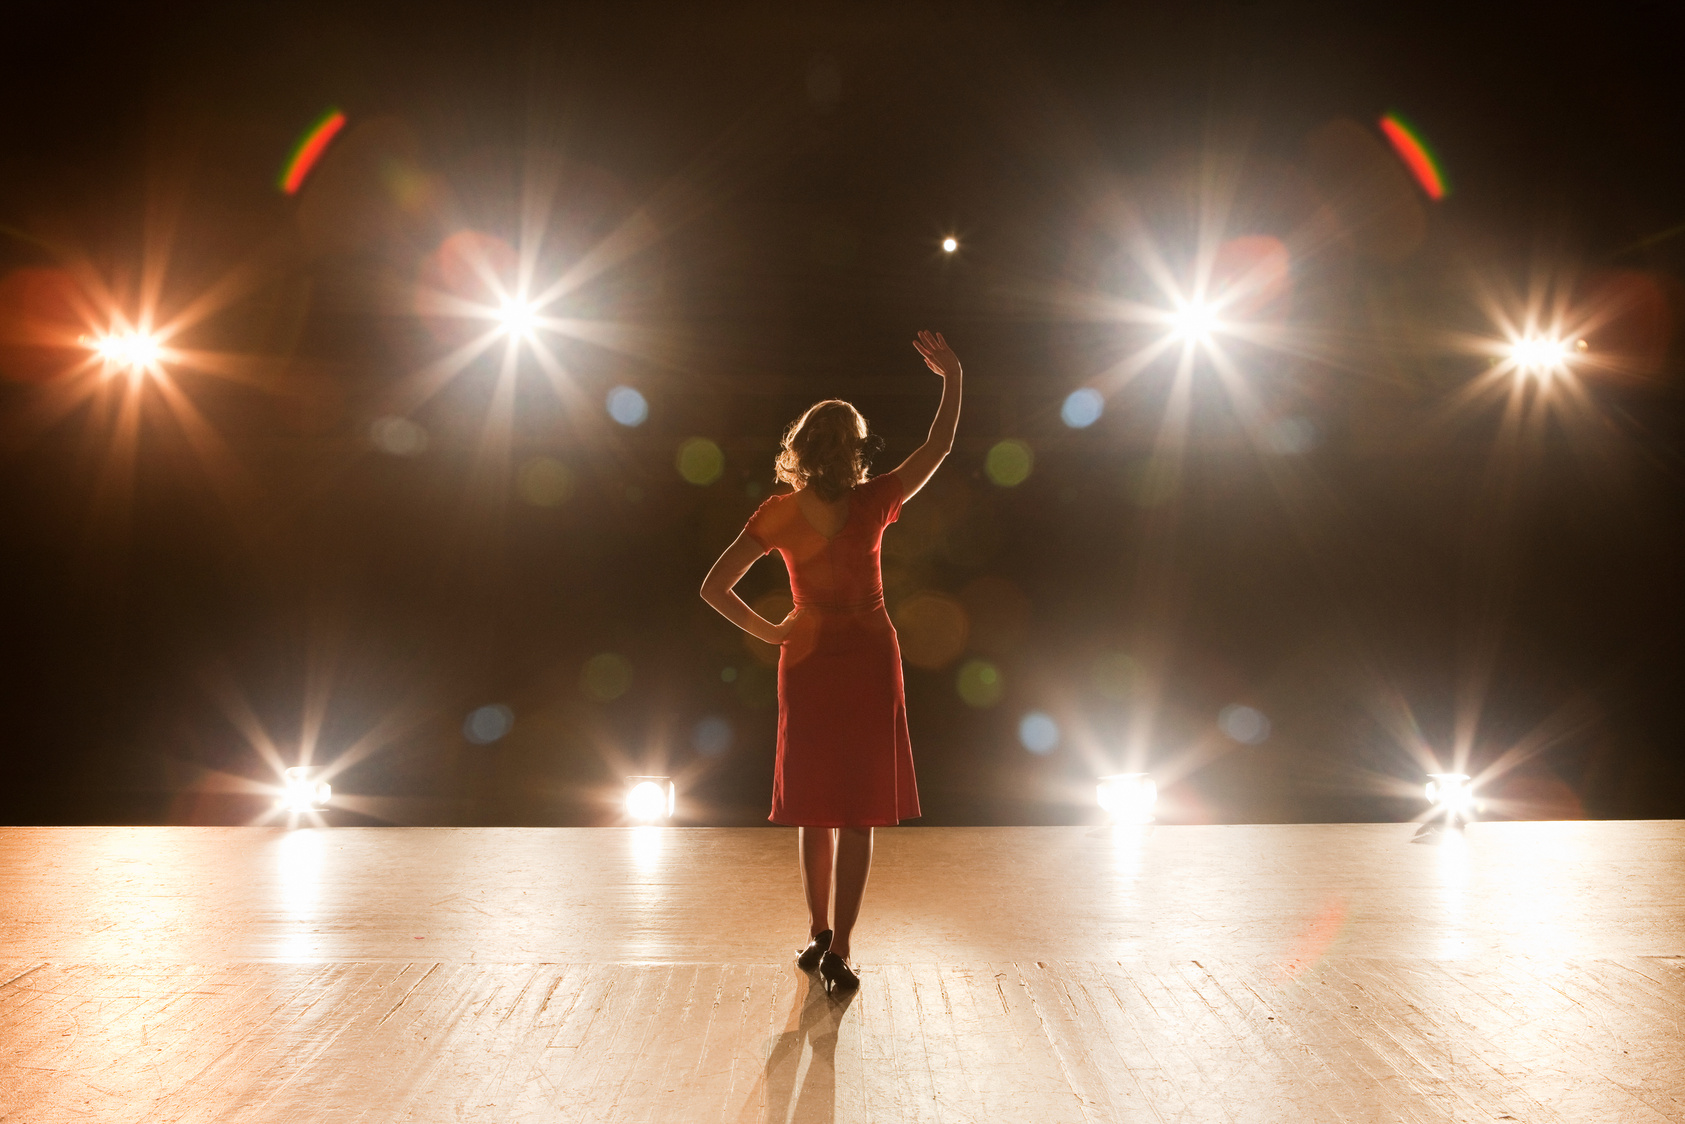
point(916, 469)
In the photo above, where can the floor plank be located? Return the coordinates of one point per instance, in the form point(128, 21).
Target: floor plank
point(1426, 1010)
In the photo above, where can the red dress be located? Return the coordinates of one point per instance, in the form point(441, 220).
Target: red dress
point(844, 758)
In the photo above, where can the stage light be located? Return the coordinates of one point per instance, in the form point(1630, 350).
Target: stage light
point(304, 790)
point(1452, 795)
point(650, 798)
point(132, 351)
point(1539, 355)
point(1193, 320)
point(949, 245)
point(1127, 797)
point(517, 316)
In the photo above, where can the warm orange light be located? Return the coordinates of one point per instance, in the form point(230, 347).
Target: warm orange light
point(130, 350)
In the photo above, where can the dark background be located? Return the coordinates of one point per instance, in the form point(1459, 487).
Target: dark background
point(1422, 575)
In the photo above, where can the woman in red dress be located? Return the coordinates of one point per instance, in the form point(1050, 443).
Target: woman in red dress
point(844, 763)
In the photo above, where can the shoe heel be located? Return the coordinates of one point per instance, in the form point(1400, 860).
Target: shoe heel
point(837, 974)
point(810, 956)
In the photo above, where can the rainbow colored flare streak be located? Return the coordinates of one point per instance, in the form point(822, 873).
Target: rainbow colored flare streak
point(1415, 154)
point(310, 148)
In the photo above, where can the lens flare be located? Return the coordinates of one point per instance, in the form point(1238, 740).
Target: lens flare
point(1407, 142)
point(309, 150)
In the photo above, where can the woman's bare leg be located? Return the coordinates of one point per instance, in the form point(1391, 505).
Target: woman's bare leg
point(854, 863)
point(816, 846)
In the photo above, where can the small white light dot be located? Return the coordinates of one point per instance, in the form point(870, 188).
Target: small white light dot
point(949, 245)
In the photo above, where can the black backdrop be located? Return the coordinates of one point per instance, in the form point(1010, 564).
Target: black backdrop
point(782, 175)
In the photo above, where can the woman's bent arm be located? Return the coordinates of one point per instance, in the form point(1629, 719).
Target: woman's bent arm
point(919, 467)
point(718, 591)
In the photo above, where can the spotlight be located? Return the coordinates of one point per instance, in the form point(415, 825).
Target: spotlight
point(1452, 795)
point(949, 245)
point(304, 789)
point(650, 798)
point(517, 316)
point(1193, 320)
point(1538, 355)
point(1127, 797)
point(130, 350)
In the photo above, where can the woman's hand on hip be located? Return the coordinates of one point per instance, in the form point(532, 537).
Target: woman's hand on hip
point(788, 625)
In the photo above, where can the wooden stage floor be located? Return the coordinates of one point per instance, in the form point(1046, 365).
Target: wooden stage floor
point(1305, 973)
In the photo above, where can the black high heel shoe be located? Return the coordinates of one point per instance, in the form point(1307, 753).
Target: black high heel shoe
point(809, 958)
point(837, 973)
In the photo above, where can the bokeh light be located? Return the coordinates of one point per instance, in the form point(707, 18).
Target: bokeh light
point(398, 437)
point(980, 683)
point(712, 736)
point(1009, 462)
point(932, 628)
point(488, 724)
point(1038, 732)
point(545, 482)
point(627, 406)
point(1244, 724)
point(700, 461)
point(606, 676)
point(1082, 407)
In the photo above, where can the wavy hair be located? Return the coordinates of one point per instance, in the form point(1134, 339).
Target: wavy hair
point(827, 449)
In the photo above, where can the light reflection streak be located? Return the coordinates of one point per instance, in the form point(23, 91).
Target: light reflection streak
point(298, 859)
point(647, 896)
point(1451, 879)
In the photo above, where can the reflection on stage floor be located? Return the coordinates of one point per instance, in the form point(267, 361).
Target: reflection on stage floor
point(1522, 971)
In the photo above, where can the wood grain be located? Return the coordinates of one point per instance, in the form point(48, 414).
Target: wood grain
point(1219, 985)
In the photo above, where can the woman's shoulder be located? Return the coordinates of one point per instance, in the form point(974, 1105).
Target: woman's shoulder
point(888, 484)
point(775, 509)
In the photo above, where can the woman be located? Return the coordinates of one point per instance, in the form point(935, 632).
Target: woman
point(844, 762)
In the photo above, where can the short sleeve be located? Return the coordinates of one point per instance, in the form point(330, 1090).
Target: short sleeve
point(759, 526)
point(889, 495)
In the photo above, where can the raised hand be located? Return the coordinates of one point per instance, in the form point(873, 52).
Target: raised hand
point(938, 356)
